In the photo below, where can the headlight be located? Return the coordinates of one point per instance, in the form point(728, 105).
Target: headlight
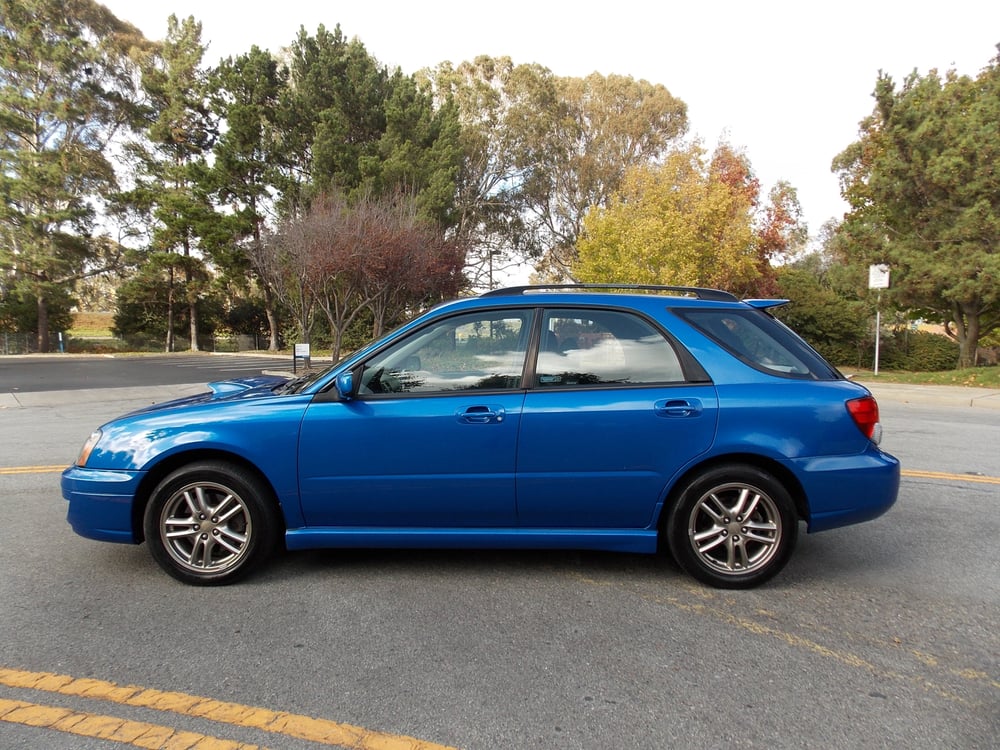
point(88, 446)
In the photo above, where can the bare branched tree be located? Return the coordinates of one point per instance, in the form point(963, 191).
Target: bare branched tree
point(343, 259)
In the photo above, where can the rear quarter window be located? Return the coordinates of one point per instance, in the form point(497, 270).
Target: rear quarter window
point(763, 342)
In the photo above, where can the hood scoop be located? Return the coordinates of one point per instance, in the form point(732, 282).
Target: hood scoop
point(230, 388)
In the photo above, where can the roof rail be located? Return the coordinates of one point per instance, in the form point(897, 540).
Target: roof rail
point(694, 291)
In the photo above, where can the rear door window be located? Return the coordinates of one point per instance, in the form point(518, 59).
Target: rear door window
point(602, 347)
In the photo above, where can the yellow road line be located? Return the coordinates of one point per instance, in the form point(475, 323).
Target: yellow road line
point(759, 628)
point(944, 475)
point(806, 644)
point(123, 731)
point(32, 469)
point(279, 722)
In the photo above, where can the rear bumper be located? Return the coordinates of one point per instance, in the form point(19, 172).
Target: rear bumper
point(844, 490)
point(100, 503)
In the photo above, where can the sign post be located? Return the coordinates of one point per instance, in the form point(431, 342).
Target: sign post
point(301, 352)
point(878, 278)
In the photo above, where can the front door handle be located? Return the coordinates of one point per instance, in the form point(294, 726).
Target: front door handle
point(481, 415)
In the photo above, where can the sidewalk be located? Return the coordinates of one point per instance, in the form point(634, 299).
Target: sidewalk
point(150, 394)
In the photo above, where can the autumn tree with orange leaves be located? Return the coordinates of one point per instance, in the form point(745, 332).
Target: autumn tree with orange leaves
point(692, 221)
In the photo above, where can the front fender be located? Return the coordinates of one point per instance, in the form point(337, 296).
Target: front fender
point(262, 432)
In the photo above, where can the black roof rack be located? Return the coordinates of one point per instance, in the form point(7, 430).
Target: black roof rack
point(694, 291)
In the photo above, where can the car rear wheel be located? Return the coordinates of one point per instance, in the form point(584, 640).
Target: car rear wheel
point(211, 523)
point(733, 527)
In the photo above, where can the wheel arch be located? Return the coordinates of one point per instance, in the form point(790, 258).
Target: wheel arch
point(158, 472)
point(781, 473)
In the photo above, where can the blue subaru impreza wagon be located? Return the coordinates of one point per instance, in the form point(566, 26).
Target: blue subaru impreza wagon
point(620, 418)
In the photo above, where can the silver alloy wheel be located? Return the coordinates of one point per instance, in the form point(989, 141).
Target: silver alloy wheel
point(206, 527)
point(735, 529)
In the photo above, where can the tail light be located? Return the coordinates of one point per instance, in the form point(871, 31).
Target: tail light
point(864, 412)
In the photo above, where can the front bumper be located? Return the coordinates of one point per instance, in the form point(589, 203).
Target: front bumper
point(100, 503)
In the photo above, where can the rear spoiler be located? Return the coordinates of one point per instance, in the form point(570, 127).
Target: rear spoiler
point(765, 304)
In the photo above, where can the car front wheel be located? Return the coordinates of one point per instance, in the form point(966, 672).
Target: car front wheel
point(210, 523)
point(733, 527)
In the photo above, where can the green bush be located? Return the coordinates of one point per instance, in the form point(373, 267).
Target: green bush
point(852, 355)
point(916, 351)
point(83, 345)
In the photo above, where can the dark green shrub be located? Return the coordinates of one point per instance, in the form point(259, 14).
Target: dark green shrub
point(917, 351)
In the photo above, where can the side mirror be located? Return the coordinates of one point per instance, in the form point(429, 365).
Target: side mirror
point(345, 385)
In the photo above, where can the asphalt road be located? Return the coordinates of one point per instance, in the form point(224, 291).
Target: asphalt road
point(34, 374)
point(878, 635)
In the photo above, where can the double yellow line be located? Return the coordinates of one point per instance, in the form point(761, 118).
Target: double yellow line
point(980, 478)
point(32, 469)
point(145, 735)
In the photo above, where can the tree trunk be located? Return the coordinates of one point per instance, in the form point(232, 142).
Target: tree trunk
point(170, 311)
point(43, 323)
point(192, 300)
point(272, 317)
point(967, 332)
point(378, 316)
point(193, 315)
point(967, 325)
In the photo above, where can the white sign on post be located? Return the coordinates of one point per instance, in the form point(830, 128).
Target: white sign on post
point(301, 352)
point(878, 277)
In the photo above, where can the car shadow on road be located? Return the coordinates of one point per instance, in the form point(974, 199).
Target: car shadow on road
point(831, 558)
point(463, 563)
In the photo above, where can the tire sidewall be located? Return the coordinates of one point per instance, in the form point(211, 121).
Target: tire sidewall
point(679, 541)
point(256, 498)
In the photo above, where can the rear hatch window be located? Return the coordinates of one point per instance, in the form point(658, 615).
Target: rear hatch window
point(763, 342)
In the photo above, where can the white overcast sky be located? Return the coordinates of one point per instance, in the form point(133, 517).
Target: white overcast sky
point(785, 81)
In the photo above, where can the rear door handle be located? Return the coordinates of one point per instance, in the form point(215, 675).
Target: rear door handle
point(678, 407)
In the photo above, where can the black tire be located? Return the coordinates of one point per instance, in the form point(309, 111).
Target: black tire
point(211, 523)
point(733, 527)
